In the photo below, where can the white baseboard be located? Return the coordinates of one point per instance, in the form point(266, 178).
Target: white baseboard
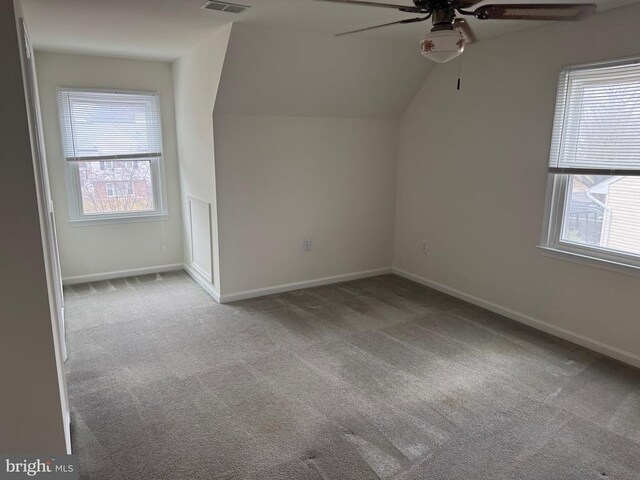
point(595, 345)
point(201, 280)
point(96, 277)
point(288, 287)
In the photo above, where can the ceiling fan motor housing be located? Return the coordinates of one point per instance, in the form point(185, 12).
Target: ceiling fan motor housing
point(424, 4)
point(443, 18)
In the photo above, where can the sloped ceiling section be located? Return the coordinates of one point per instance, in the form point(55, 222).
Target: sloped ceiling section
point(292, 73)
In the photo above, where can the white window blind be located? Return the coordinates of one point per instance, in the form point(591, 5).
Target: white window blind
point(597, 121)
point(104, 125)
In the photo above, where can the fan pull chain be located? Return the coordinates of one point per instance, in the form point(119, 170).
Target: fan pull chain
point(459, 61)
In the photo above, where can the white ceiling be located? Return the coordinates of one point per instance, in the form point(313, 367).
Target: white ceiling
point(164, 29)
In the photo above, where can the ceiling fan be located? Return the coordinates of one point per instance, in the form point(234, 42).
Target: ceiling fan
point(449, 34)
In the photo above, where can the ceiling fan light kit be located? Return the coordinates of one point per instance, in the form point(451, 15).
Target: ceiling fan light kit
point(445, 41)
point(442, 45)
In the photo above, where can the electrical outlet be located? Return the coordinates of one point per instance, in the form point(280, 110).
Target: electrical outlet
point(307, 244)
point(424, 246)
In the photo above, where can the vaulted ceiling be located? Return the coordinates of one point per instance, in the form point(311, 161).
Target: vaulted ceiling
point(282, 58)
point(284, 72)
point(164, 29)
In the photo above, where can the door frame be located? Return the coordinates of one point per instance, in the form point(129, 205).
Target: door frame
point(47, 221)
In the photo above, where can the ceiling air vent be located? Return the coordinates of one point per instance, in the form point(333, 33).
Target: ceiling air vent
point(224, 7)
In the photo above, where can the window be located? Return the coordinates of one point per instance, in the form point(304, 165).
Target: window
point(113, 151)
point(594, 167)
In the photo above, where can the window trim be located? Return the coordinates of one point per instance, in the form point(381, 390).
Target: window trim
point(555, 205)
point(552, 244)
point(158, 180)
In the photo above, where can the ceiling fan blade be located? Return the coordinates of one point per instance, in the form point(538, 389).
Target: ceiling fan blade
point(402, 8)
point(463, 25)
point(536, 11)
point(408, 20)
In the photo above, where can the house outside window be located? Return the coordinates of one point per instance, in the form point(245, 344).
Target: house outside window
point(121, 189)
point(113, 150)
point(593, 208)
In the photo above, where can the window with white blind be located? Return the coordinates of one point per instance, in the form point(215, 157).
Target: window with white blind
point(594, 168)
point(112, 146)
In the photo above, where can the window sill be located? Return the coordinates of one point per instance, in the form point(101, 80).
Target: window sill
point(591, 261)
point(91, 222)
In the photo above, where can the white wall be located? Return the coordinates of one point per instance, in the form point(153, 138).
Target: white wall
point(305, 130)
point(197, 75)
point(283, 179)
point(30, 403)
point(97, 249)
point(472, 180)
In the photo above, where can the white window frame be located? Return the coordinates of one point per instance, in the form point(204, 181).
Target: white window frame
point(551, 242)
point(74, 192)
